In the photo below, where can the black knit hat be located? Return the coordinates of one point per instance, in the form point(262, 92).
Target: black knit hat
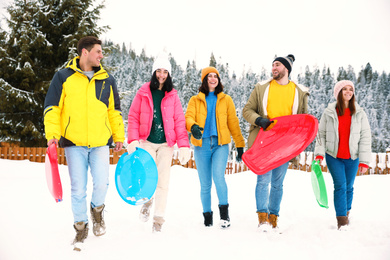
point(286, 61)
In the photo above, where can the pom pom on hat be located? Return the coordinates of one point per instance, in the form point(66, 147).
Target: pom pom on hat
point(339, 86)
point(286, 61)
point(162, 62)
point(208, 70)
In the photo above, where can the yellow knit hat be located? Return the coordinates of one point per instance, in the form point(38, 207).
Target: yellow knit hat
point(208, 70)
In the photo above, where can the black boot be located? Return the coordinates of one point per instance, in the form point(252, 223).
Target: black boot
point(208, 219)
point(224, 213)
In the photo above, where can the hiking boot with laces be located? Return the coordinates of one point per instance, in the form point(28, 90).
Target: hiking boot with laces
point(99, 227)
point(81, 234)
point(264, 224)
point(145, 211)
point(273, 220)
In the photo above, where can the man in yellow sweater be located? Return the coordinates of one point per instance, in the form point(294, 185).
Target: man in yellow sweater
point(275, 97)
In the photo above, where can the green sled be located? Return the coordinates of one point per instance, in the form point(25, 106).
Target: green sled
point(318, 184)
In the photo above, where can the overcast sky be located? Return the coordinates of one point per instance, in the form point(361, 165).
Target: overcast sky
point(251, 32)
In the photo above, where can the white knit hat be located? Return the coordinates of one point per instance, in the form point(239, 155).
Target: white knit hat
point(339, 86)
point(162, 62)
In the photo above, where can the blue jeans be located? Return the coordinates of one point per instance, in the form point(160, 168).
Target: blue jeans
point(78, 159)
point(343, 172)
point(269, 201)
point(211, 160)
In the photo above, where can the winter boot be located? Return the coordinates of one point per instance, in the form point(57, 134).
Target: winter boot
point(208, 219)
point(342, 222)
point(273, 219)
point(263, 218)
point(224, 214)
point(99, 227)
point(157, 223)
point(81, 234)
point(145, 211)
point(263, 221)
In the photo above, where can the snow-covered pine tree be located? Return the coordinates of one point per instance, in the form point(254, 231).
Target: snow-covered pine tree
point(363, 83)
point(213, 61)
point(20, 87)
point(42, 36)
point(192, 83)
point(385, 125)
point(247, 83)
point(178, 79)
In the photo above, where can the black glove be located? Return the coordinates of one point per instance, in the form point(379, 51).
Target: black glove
point(263, 122)
point(240, 151)
point(196, 131)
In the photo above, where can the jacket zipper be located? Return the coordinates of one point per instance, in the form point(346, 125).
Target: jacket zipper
point(66, 128)
point(101, 91)
point(108, 127)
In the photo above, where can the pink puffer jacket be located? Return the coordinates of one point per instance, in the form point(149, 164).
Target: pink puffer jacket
point(141, 117)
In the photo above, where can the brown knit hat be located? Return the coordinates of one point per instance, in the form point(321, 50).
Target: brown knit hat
point(208, 70)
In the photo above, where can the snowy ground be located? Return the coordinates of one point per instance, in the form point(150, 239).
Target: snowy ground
point(34, 226)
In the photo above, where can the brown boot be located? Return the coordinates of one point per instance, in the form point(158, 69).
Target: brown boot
point(342, 221)
point(273, 219)
point(99, 227)
point(81, 234)
point(263, 218)
point(263, 222)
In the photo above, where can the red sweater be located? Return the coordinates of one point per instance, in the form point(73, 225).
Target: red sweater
point(344, 131)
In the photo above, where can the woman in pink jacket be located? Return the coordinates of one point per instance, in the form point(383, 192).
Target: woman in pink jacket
point(156, 123)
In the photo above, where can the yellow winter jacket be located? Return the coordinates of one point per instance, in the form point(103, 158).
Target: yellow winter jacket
point(83, 112)
point(227, 120)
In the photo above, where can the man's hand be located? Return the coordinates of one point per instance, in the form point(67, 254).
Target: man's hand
point(263, 122)
point(52, 141)
point(118, 146)
point(240, 152)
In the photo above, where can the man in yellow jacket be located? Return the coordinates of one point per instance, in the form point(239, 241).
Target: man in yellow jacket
point(275, 97)
point(82, 114)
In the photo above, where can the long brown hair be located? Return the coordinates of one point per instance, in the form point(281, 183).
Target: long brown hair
point(204, 88)
point(340, 104)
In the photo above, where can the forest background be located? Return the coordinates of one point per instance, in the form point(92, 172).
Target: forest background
point(41, 38)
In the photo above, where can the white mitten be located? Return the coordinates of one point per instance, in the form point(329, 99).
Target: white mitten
point(131, 147)
point(184, 155)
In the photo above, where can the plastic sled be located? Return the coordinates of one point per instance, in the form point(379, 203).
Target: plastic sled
point(136, 177)
point(52, 174)
point(318, 183)
point(278, 145)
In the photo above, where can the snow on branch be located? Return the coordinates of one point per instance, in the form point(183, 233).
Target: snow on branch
point(8, 88)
